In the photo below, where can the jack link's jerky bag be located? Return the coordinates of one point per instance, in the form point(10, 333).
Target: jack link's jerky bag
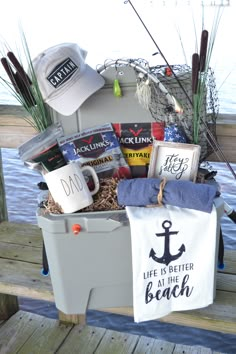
point(97, 147)
point(42, 152)
point(136, 143)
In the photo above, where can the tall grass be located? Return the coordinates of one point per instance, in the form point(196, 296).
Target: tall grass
point(28, 95)
point(199, 95)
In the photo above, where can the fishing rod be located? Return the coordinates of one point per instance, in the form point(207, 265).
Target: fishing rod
point(183, 89)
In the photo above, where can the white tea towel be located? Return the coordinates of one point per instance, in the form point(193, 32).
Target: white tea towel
point(173, 259)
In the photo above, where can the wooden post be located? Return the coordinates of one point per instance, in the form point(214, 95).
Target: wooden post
point(75, 319)
point(8, 303)
point(8, 306)
point(3, 206)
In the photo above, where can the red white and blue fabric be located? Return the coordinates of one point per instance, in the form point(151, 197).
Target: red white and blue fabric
point(174, 133)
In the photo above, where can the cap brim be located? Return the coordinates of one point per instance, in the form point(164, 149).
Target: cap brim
point(74, 97)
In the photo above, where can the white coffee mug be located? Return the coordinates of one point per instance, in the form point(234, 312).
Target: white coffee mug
point(68, 186)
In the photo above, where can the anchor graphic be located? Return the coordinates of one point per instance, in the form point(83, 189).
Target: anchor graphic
point(167, 256)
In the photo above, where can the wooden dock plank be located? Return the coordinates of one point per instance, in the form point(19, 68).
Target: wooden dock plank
point(21, 276)
point(117, 343)
point(13, 111)
point(8, 306)
point(226, 130)
point(21, 234)
point(14, 131)
point(230, 262)
point(20, 252)
point(26, 333)
point(21, 135)
point(220, 316)
point(47, 338)
point(21, 262)
point(180, 349)
point(223, 308)
point(82, 340)
point(226, 282)
point(15, 332)
point(24, 279)
point(228, 151)
point(3, 205)
point(147, 345)
point(13, 122)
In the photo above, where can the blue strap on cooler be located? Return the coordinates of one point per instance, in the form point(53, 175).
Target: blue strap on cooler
point(45, 269)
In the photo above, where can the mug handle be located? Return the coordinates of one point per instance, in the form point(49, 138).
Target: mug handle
point(94, 176)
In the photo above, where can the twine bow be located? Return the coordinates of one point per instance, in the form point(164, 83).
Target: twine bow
point(161, 191)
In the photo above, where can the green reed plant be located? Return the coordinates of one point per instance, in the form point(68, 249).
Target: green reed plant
point(200, 70)
point(22, 84)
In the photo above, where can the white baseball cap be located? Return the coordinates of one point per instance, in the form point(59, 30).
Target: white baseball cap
point(64, 79)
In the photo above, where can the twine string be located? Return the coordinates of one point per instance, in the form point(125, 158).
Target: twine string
point(161, 192)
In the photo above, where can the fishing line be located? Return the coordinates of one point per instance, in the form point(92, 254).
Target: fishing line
point(217, 146)
point(159, 51)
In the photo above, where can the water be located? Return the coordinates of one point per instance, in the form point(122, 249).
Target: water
point(21, 186)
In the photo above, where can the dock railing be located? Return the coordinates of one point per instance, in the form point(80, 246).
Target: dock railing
point(14, 131)
point(17, 280)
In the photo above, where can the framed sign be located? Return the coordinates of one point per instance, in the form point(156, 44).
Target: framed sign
point(175, 161)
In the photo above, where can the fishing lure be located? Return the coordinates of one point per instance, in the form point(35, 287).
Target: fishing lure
point(134, 64)
point(116, 88)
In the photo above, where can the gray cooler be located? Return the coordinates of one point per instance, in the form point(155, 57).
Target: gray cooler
point(93, 269)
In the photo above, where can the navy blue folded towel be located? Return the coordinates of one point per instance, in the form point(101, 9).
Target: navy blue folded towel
point(183, 194)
